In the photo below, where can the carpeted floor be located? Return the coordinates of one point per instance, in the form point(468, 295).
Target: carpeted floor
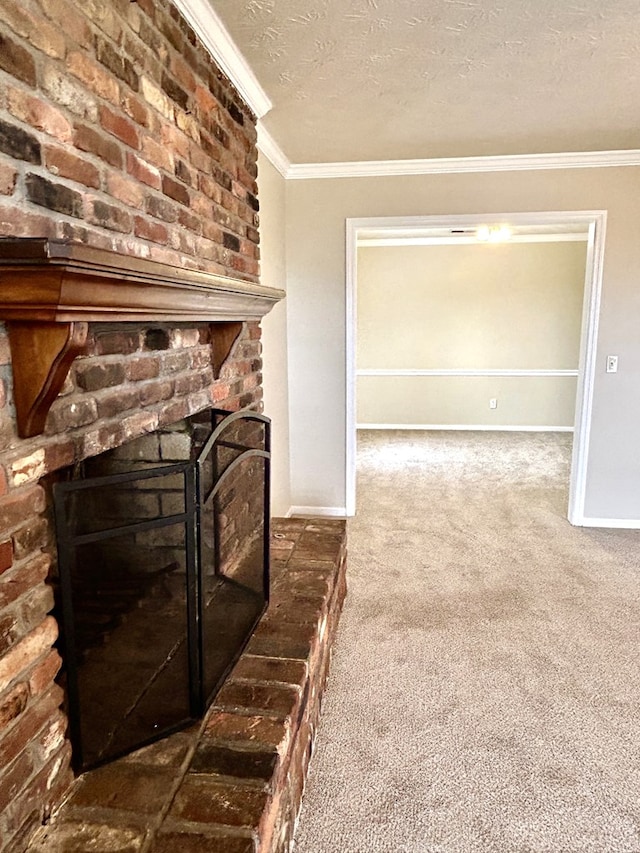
point(485, 688)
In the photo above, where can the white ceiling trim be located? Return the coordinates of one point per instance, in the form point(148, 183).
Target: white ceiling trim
point(215, 37)
point(272, 151)
point(468, 240)
point(451, 165)
point(576, 220)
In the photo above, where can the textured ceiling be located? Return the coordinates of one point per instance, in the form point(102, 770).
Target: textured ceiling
point(403, 79)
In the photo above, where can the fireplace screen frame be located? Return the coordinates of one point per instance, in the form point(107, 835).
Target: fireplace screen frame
point(200, 490)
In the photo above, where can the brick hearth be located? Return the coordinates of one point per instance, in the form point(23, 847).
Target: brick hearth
point(234, 783)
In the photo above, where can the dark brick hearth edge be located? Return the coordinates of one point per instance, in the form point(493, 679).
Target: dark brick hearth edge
point(234, 783)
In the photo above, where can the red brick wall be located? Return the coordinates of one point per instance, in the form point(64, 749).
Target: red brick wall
point(118, 131)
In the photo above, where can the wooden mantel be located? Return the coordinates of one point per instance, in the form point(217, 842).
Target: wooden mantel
point(51, 289)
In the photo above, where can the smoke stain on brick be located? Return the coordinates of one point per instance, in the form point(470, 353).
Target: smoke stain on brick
point(18, 143)
point(230, 241)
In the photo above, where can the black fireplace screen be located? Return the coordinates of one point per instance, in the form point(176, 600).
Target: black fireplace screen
point(163, 552)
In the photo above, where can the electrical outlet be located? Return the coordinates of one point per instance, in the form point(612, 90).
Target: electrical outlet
point(493, 403)
point(612, 364)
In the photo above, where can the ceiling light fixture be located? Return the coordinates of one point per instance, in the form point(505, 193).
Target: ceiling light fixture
point(493, 233)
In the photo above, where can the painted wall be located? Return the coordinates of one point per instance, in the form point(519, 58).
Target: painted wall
point(508, 306)
point(316, 214)
point(271, 188)
point(463, 401)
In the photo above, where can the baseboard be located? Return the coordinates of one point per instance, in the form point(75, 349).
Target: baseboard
point(324, 511)
point(617, 523)
point(470, 427)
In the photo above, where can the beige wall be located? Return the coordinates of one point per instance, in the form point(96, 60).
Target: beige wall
point(437, 401)
point(274, 330)
point(514, 305)
point(509, 306)
point(316, 214)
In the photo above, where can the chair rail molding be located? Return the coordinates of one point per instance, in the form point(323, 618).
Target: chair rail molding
point(461, 371)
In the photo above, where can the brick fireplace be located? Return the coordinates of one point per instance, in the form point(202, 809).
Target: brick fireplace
point(129, 299)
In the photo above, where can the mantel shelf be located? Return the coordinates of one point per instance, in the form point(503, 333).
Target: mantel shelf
point(51, 289)
point(56, 281)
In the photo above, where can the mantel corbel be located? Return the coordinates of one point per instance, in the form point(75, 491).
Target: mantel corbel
point(51, 290)
point(41, 356)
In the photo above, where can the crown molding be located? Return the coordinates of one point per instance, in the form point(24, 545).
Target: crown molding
point(215, 37)
point(456, 165)
point(272, 151)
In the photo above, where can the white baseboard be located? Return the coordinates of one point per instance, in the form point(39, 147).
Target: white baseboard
point(470, 427)
point(324, 511)
point(617, 523)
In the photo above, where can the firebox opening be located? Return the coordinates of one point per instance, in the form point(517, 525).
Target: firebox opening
point(163, 563)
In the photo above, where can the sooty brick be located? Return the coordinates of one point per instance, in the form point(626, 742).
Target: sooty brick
point(53, 196)
point(117, 64)
point(18, 143)
point(230, 241)
point(236, 114)
point(174, 91)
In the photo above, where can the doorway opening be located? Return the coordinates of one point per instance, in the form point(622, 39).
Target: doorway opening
point(588, 226)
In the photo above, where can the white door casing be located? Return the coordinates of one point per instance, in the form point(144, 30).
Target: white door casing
point(594, 222)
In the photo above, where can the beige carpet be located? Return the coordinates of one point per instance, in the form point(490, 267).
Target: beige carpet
point(485, 688)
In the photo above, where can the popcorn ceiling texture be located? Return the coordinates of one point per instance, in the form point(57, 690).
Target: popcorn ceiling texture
point(396, 79)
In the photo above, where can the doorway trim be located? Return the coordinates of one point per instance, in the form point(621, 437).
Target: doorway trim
point(595, 223)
